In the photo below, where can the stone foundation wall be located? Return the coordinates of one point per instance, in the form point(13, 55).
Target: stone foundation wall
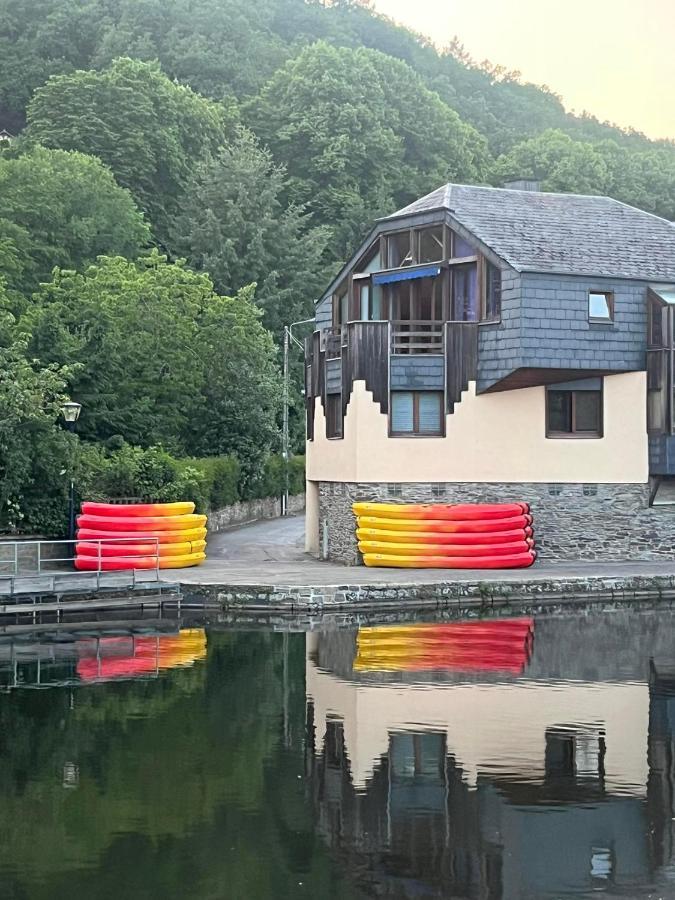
point(571, 521)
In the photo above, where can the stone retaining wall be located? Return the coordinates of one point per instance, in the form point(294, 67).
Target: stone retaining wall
point(571, 521)
point(393, 601)
point(251, 511)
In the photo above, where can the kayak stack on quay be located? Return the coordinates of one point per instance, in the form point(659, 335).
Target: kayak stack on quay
point(123, 536)
point(442, 536)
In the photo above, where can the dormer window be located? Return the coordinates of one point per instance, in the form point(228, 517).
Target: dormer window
point(461, 249)
point(600, 306)
point(430, 245)
point(399, 250)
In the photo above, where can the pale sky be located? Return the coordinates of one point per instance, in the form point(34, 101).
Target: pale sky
point(613, 58)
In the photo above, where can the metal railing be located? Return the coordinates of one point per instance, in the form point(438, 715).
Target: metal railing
point(417, 336)
point(29, 562)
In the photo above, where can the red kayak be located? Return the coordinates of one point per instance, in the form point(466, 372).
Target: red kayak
point(391, 561)
point(141, 523)
point(452, 512)
point(516, 536)
point(127, 510)
point(444, 525)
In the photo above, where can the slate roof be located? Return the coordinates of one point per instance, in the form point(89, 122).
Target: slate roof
point(562, 233)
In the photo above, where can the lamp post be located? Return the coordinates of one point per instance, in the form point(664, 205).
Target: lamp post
point(288, 337)
point(71, 413)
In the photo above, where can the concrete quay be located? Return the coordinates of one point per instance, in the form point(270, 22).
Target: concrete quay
point(262, 568)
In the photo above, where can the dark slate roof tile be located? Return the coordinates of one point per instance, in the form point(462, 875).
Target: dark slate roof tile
point(563, 233)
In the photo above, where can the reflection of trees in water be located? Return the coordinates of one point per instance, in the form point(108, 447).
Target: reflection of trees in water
point(185, 787)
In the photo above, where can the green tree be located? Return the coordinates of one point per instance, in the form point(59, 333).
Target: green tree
point(61, 209)
point(236, 226)
point(149, 130)
point(161, 359)
point(33, 450)
point(560, 163)
point(360, 133)
point(644, 178)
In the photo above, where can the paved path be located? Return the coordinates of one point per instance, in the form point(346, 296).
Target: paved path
point(272, 553)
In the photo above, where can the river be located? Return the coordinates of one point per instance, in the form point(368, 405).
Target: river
point(496, 759)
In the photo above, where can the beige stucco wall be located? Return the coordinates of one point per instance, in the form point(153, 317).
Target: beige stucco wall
point(497, 729)
point(490, 437)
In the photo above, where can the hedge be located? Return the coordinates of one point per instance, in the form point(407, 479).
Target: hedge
point(153, 475)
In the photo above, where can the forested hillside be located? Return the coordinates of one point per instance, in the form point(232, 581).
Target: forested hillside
point(184, 178)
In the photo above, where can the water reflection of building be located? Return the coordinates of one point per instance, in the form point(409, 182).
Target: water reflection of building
point(493, 784)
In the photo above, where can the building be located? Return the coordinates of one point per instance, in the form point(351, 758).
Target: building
point(488, 344)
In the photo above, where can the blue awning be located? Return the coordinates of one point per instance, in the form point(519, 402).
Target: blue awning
point(407, 274)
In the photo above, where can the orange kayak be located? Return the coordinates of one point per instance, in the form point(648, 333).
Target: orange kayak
point(141, 523)
point(164, 537)
point(445, 549)
point(444, 525)
point(133, 549)
point(126, 510)
point(453, 512)
point(422, 537)
point(125, 564)
point(390, 561)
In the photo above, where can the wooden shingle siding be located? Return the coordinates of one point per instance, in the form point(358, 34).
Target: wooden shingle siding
point(417, 372)
point(461, 355)
point(366, 358)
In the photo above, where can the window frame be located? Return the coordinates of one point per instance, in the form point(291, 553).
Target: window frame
point(483, 288)
point(576, 435)
point(416, 433)
point(601, 320)
point(339, 420)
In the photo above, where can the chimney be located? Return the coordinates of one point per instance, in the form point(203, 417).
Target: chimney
point(523, 184)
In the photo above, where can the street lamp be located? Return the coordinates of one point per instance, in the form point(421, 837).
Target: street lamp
point(288, 337)
point(71, 413)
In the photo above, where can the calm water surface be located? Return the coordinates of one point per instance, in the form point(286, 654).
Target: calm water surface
point(522, 758)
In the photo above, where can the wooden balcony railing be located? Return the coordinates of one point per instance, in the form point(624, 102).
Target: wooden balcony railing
point(416, 336)
point(334, 340)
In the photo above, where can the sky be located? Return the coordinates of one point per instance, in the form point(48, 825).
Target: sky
point(613, 58)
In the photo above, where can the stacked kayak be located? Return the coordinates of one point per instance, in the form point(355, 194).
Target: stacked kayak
point(115, 537)
point(444, 536)
point(488, 645)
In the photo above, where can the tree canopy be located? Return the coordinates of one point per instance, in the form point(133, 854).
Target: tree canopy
point(61, 209)
point(159, 358)
point(237, 226)
point(359, 132)
point(148, 130)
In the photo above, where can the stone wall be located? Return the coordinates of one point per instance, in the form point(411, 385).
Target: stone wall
point(251, 511)
point(571, 521)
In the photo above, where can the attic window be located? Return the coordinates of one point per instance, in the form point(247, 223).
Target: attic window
point(600, 306)
point(399, 250)
point(430, 244)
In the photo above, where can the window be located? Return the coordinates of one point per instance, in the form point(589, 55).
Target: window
point(492, 307)
point(464, 293)
point(655, 323)
point(430, 244)
point(600, 306)
point(370, 262)
point(461, 248)
point(417, 412)
point(395, 490)
point(341, 301)
point(333, 416)
point(574, 413)
point(399, 251)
